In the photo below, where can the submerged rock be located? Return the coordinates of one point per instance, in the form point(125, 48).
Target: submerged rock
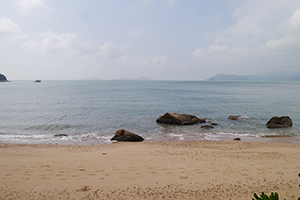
point(279, 122)
point(179, 119)
point(213, 123)
point(61, 135)
point(236, 117)
point(123, 135)
point(207, 127)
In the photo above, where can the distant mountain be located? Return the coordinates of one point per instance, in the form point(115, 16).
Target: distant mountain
point(271, 76)
point(3, 78)
point(93, 79)
point(227, 77)
point(135, 79)
point(90, 79)
point(143, 79)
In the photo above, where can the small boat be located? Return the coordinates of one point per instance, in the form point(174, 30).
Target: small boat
point(37, 81)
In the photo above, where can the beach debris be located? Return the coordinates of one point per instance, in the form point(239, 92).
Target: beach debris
point(61, 135)
point(179, 119)
point(124, 135)
point(279, 122)
point(207, 127)
point(237, 139)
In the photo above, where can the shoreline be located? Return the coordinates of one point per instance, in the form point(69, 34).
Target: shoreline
point(171, 138)
point(150, 170)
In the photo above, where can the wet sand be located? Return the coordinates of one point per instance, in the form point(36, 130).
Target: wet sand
point(158, 170)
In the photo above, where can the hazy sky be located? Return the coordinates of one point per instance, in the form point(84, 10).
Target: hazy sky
point(159, 39)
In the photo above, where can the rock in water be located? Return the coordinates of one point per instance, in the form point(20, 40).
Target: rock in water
point(207, 127)
point(123, 135)
point(61, 135)
point(179, 119)
point(232, 117)
point(279, 122)
point(3, 78)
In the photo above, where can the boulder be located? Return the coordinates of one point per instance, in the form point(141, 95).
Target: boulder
point(179, 119)
point(279, 122)
point(123, 135)
point(3, 78)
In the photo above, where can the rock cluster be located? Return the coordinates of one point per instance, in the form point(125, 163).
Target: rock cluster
point(185, 119)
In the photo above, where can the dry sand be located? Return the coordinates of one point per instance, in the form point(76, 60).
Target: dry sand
point(163, 170)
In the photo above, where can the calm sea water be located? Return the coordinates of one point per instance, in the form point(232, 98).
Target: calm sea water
point(90, 112)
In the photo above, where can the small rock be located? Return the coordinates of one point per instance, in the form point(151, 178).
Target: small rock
point(60, 135)
point(207, 127)
point(237, 139)
point(123, 135)
point(236, 117)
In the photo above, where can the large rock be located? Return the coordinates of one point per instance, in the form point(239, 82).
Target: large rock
point(179, 119)
point(279, 122)
point(2, 78)
point(123, 135)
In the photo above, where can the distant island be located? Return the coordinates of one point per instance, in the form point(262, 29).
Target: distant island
point(271, 76)
point(121, 79)
point(3, 78)
point(136, 79)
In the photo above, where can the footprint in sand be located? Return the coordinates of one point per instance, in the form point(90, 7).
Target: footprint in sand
point(84, 189)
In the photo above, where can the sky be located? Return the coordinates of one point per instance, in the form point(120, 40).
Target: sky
point(159, 39)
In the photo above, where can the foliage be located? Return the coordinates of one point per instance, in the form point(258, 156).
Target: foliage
point(271, 197)
point(299, 185)
point(266, 197)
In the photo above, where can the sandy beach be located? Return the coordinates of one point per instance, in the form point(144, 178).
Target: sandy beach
point(144, 170)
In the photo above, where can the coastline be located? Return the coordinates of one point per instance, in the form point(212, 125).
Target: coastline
point(150, 170)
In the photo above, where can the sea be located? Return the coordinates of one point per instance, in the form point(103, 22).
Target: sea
point(90, 112)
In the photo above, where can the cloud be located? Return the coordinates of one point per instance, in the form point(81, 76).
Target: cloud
point(111, 50)
point(263, 35)
point(170, 2)
point(141, 4)
point(49, 42)
point(204, 52)
point(8, 28)
point(255, 22)
point(34, 6)
point(142, 61)
point(220, 54)
point(288, 36)
point(136, 33)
